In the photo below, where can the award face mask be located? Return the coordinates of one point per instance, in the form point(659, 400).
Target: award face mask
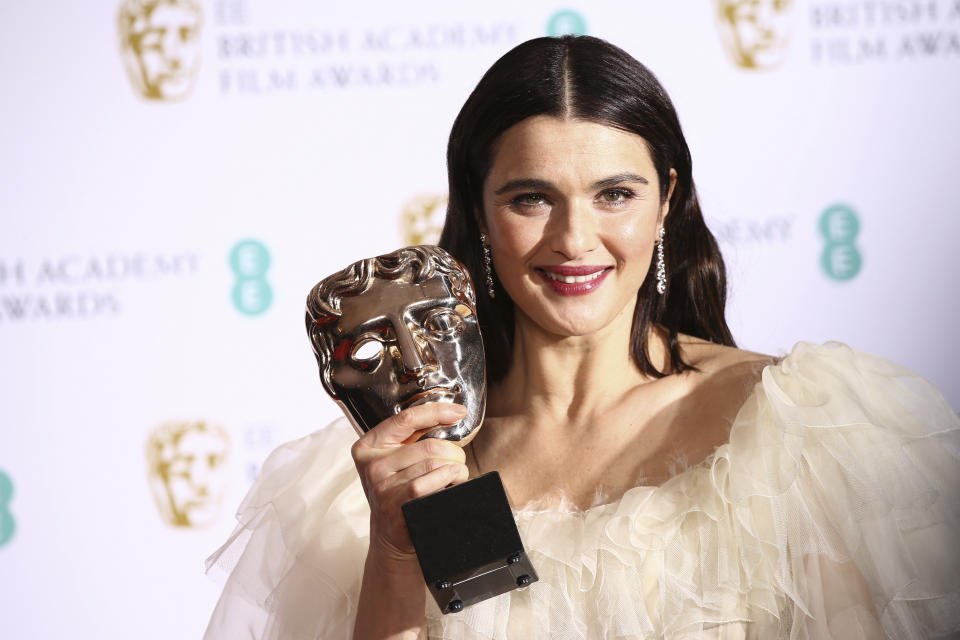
point(397, 331)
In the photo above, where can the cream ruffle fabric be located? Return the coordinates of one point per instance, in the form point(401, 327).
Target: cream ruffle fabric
point(832, 512)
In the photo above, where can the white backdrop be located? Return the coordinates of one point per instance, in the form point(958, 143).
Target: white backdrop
point(160, 232)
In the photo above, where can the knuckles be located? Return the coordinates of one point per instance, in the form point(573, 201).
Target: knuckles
point(437, 448)
point(405, 419)
point(419, 487)
point(357, 447)
point(433, 447)
point(375, 470)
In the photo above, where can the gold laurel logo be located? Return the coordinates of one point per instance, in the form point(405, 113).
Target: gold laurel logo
point(421, 219)
point(160, 46)
point(187, 471)
point(755, 33)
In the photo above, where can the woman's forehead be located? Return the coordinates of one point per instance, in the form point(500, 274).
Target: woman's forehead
point(550, 145)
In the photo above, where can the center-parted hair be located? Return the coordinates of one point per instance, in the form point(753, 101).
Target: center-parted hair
point(420, 263)
point(589, 79)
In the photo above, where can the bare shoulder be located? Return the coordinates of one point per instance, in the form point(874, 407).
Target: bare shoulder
point(719, 363)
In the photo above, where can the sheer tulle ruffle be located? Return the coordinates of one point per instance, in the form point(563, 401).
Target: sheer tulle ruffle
point(832, 512)
point(295, 560)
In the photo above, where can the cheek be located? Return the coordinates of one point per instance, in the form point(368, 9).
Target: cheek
point(514, 240)
point(447, 355)
point(349, 381)
point(631, 239)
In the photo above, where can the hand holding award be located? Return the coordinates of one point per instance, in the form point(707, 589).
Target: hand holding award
point(398, 345)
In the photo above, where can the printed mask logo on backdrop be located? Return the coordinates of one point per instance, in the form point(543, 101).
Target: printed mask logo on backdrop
point(566, 22)
point(839, 226)
point(7, 524)
point(186, 468)
point(249, 261)
point(160, 46)
point(160, 43)
point(755, 33)
point(421, 219)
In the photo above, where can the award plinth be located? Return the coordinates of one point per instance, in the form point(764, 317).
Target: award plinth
point(467, 543)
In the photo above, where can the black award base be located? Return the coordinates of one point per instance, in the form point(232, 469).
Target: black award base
point(467, 543)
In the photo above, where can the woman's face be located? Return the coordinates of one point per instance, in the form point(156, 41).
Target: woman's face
point(571, 209)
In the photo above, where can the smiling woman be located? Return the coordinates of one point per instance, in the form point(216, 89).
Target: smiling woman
point(665, 483)
point(562, 226)
point(549, 113)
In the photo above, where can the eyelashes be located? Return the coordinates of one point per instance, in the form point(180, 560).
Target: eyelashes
point(615, 198)
point(617, 195)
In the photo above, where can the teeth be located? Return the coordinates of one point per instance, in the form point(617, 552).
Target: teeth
point(573, 279)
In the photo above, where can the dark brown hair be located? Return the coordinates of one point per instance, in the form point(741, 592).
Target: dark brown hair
point(588, 79)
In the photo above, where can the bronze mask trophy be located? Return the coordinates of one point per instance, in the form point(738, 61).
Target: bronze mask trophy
point(396, 331)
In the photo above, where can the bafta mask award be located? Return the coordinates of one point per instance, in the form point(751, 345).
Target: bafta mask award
point(397, 331)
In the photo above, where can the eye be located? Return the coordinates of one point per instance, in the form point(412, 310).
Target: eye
point(529, 200)
point(616, 196)
point(443, 323)
point(151, 39)
point(367, 351)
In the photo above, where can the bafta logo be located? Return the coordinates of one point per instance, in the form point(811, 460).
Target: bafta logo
point(185, 463)
point(421, 220)
point(755, 32)
point(160, 46)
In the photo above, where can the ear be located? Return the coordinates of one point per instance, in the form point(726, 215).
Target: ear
point(665, 207)
point(481, 220)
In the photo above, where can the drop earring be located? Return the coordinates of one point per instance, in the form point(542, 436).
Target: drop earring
point(487, 264)
point(661, 265)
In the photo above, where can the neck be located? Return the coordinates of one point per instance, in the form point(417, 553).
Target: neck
point(566, 380)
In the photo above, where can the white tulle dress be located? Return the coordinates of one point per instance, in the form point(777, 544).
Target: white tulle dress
point(832, 512)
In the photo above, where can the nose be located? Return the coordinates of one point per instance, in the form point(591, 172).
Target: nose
point(416, 358)
point(173, 47)
point(573, 230)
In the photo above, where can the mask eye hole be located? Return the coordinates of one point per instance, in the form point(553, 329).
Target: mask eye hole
point(367, 352)
point(444, 323)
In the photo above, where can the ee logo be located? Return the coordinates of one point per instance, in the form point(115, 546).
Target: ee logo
point(566, 22)
point(249, 261)
point(839, 226)
point(7, 523)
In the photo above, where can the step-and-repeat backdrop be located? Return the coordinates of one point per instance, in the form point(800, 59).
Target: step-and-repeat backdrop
point(178, 173)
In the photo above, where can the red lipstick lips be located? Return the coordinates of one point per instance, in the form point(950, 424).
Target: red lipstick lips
point(573, 280)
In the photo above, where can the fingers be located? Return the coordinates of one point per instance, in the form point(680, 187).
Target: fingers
point(398, 429)
point(392, 474)
point(429, 454)
point(431, 482)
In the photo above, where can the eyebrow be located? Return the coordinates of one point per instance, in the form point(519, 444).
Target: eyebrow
point(424, 306)
point(544, 185)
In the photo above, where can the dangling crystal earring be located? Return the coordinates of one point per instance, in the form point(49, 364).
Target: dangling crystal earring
point(486, 264)
point(661, 266)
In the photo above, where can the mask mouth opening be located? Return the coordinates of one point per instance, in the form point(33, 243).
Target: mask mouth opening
point(433, 394)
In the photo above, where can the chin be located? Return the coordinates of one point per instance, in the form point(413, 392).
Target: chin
point(572, 327)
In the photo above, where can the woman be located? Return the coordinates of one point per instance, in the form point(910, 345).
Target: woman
point(666, 483)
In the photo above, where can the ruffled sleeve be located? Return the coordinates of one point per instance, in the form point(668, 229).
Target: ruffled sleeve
point(843, 472)
point(295, 560)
